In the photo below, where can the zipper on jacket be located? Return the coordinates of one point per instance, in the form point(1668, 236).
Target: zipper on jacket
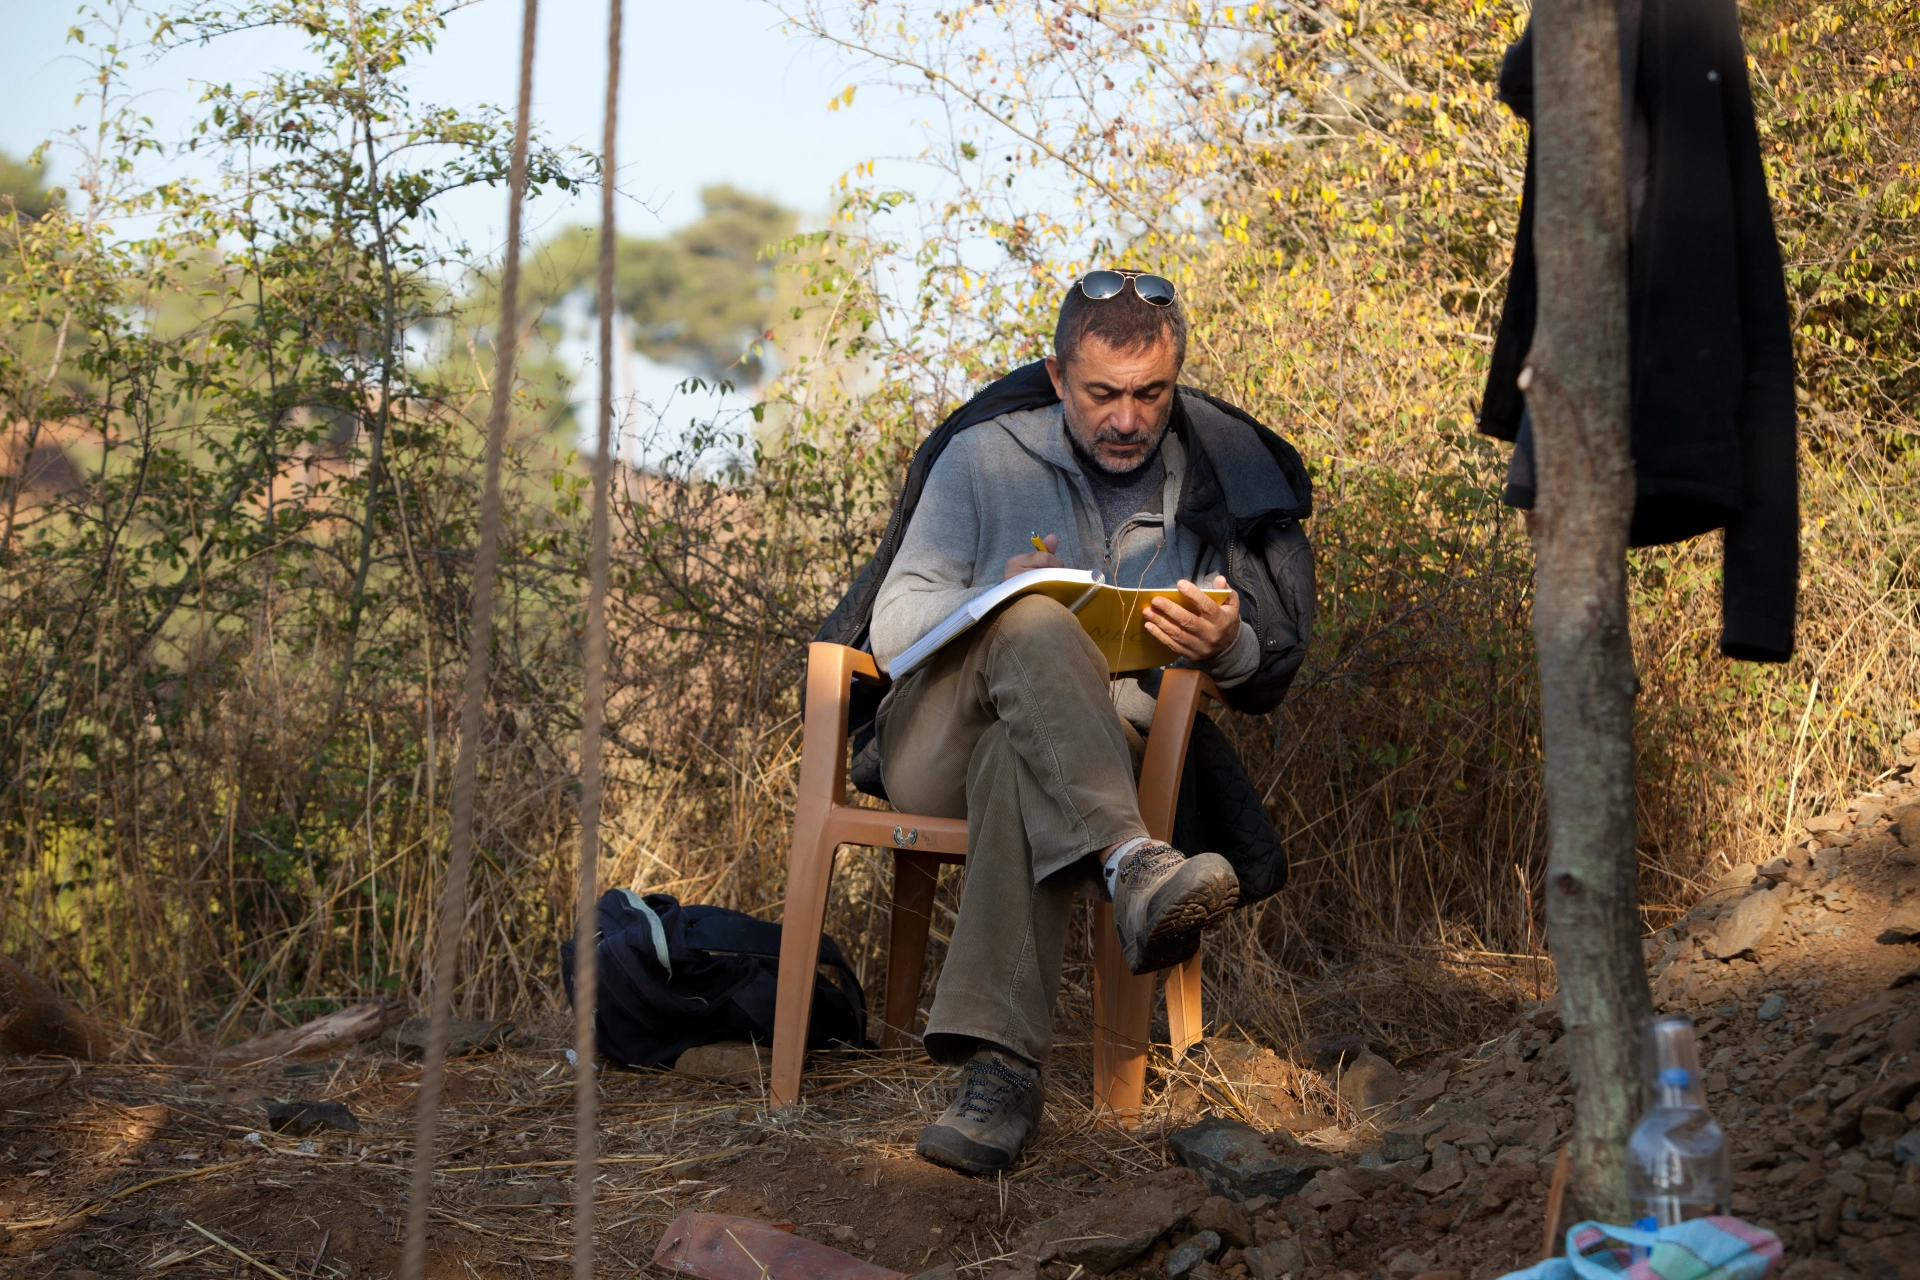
point(1112, 561)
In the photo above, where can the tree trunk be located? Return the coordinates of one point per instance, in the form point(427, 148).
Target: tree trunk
point(1577, 391)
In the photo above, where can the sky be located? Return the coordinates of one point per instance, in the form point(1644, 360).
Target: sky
point(712, 91)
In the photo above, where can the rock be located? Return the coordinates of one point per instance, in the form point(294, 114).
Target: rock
point(1017, 1269)
point(1906, 825)
point(1828, 1031)
point(1225, 1219)
point(1902, 924)
point(1113, 1230)
point(1236, 1163)
point(724, 1246)
point(1826, 822)
point(464, 1035)
point(1880, 1122)
point(1430, 1090)
point(1409, 1141)
point(1907, 1149)
point(1504, 1183)
point(1329, 1186)
point(1774, 869)
point(1905, 1201)
point(1261, 1080)
point(1727, 887)
point(730, 1062)
point(302, 1118)
point(1447, 1171)
point(1277, 1260)
point(1461, 1133)
point(1203, 1247)
point(1407, 1264)
point(1894, 1093)
point(1369, 1178)
point(1370, 1083)
point(1748, 925)
point(1772, 1009)
point(1445, 1273)
point(1324, 1053)
point(945, 1271)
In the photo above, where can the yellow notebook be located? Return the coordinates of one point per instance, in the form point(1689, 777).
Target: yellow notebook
point(1113, 616)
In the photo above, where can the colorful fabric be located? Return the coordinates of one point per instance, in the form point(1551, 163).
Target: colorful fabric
point(1714, 1248)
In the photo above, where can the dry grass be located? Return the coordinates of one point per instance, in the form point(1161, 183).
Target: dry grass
point(224, 842)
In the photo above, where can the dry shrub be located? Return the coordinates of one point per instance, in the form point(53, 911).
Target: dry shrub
point(1336, 201)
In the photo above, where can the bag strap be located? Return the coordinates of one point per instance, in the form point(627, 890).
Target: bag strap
point(1589, 1268)
point(655, 926)
point(739, 934)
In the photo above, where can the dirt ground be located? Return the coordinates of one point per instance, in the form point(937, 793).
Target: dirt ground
point(123, 1169)
point(111, 1169)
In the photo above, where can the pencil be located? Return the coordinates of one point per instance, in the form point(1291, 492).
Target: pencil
point(1039, 544)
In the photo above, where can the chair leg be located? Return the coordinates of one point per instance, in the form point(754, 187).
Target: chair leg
point(1183, 1006)
point(809, 872)
point(1122, 1024)
point(915, 876)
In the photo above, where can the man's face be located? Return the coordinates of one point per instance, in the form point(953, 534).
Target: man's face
point(1117, 402)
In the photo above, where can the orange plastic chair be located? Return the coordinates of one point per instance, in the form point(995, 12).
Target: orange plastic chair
point(823, 821)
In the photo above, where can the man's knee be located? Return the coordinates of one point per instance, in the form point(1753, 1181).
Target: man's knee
point(1043, 624)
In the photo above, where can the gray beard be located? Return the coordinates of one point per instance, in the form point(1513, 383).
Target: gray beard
point(1092, 460)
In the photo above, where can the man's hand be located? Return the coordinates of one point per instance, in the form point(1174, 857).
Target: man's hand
point(1027, 561)
point(1202, 630)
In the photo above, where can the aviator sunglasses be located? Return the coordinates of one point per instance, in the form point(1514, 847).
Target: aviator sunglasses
point(1156, 291)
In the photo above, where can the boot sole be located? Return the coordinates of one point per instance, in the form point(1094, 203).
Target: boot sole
point(954, 1150)
point(1174, 937)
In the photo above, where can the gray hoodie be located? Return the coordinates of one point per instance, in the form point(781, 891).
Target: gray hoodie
point(1006, 480)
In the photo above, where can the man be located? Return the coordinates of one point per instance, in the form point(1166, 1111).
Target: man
point(1016, 724)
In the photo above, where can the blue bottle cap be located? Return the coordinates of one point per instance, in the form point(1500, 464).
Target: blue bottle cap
point(1675, 1078)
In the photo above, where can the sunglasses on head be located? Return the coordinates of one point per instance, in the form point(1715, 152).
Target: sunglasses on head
point(1155, 291)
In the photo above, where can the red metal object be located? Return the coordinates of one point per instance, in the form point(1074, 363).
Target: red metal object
point(719, 1246)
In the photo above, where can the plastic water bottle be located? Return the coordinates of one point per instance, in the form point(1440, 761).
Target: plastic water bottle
point(1677, 1158)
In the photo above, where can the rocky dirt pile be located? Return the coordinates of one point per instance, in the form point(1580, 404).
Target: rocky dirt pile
point(1802, 975)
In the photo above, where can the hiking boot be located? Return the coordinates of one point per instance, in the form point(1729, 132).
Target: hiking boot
point(991, 1121)
point(1163, 899)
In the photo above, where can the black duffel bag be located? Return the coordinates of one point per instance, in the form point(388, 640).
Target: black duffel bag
point(672, 977)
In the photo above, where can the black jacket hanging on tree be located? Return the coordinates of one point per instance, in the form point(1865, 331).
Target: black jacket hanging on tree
point(1712, 355)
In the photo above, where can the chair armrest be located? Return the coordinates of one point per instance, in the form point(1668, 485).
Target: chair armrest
point(1183, 691)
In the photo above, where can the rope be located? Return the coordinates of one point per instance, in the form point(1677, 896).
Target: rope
point(453, 899)
point(592, 713)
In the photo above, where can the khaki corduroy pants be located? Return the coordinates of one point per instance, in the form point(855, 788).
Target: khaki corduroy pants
point(1012, 727)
